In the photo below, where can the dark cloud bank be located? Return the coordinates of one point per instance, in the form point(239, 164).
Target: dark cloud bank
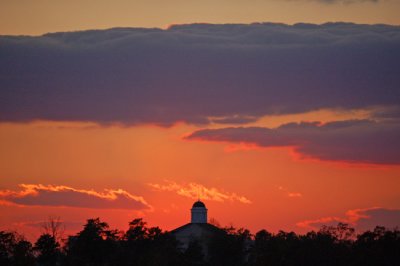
point(232, 73)
point(346, 1)
point(191, 72)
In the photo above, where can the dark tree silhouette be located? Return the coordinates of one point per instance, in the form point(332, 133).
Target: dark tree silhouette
point(140, 245)
point(377, 247)
point(194, 255)
point(137, 230)
point(94, 245)
point(149, 246)
point(260, 253)
point(23, 254)
point(48, 250)
point(7, 246)
point(230, 247)
point(15, 250)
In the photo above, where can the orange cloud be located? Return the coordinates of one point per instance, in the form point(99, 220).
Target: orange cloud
point(49, 195)
point(316, 223)
point(295, 195)
point(194, 191)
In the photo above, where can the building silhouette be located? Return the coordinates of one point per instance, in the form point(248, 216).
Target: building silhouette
point(198, 229)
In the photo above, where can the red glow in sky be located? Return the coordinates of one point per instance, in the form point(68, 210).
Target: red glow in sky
point(274, 126)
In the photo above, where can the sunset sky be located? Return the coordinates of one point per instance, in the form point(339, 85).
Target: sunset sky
point(278, 114)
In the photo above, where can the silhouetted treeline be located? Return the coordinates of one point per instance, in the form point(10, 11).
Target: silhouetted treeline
point(140, 245)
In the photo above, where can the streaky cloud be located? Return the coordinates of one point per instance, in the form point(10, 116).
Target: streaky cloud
point(194, 191)
point(49, 195)
point(290, 194)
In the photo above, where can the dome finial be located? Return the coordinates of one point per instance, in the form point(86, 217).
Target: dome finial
point(198, 193)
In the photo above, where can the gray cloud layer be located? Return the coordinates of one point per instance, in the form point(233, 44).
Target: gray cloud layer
point(347, 1)
point(361, 141)
point(192, 72)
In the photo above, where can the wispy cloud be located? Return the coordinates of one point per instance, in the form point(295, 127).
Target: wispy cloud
point(50, 195)
point(290, 194)
point(361, 219)
point(195, 190)
point(294, 195)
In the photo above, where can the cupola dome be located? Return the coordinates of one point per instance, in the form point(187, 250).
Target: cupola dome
point(199, 213)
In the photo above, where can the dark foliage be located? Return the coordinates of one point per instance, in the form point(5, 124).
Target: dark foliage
point(15, 250)
point(48, 250)
point(140, 245)
point(230, 249)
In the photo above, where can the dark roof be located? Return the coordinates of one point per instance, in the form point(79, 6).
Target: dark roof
point(205, 226)
point(198, 204)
